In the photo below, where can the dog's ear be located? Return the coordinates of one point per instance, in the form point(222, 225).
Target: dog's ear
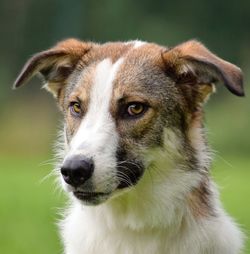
point(192, 65)
point(54, 65)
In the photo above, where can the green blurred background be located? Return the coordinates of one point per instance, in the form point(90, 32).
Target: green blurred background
point(29, 206)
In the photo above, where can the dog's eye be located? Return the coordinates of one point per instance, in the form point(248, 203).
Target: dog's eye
point(75, 108)
point(136, 109)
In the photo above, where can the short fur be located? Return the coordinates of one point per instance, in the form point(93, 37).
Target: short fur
point(155, 193)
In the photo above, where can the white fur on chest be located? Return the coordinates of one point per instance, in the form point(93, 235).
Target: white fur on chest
point(158, 224)
point(85, 234)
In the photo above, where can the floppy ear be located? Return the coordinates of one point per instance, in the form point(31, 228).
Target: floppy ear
point(192, 64)
point(54, 65)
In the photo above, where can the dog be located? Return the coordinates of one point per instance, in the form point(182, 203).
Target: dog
point(134, 157)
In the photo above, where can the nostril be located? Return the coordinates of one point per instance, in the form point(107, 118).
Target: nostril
point(65, 174)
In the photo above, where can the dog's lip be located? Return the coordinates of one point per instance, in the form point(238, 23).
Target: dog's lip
point(89, 195)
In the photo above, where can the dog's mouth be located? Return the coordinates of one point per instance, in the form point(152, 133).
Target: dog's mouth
point(91, 197)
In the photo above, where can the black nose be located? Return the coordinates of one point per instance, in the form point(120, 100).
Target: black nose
point(77, 169)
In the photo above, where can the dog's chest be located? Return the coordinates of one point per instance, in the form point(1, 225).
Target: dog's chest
point(82, 234)
point(94, 231)
point(117, 242)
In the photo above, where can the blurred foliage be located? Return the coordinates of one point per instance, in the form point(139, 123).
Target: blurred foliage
point(29, 117)
point(29, 26)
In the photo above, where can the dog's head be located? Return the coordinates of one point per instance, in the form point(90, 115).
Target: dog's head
point(129, 107)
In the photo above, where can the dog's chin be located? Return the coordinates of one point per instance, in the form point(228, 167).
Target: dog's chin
point(96, 198)
point(87, 195)
point(91, 198)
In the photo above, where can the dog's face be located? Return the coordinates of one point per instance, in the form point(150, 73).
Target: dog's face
point(124, 101)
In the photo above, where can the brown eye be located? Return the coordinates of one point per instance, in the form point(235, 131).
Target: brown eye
point(75, 108)
point(135, 109)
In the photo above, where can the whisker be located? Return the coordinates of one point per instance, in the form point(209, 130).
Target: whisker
point(128, 169)
point(47, 176)
point(128, 162)
point(47, 162)
point(123, 177)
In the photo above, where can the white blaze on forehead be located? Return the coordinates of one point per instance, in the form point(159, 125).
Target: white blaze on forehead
point(138, 44)
point(97, 134)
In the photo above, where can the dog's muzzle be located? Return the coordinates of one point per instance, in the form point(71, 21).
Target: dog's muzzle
point(76, 171)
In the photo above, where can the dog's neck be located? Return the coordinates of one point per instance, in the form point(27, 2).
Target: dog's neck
point(159, 201)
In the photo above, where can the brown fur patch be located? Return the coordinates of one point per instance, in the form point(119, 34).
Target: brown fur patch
point(192, 63)
point(55, 65)
point(81, 93)
point(199, 200)
point(111, 50)
point(137, 81)
point(82, 89)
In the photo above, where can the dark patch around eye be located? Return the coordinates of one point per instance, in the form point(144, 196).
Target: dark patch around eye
point(124, 110)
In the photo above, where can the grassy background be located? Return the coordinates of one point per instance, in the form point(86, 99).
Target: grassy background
point(29, 208)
